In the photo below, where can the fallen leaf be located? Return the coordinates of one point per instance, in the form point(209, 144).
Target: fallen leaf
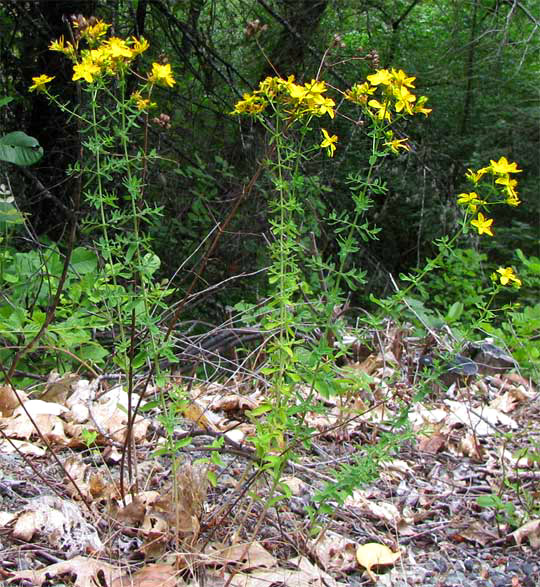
point(59, 523)
point(335, 552)
point(433, 444)
point(304, 575)
point(9, 401)
point(88, 572)
point(251, 556)
point(373, 554)
point(530, 530)
point(155, 575)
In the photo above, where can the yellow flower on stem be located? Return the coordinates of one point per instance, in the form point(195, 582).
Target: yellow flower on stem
point(404, 100)
point(360, 93)
point(117, 48)
point(381, 110)
point(507, 276)
point(476, 176)
point(142, 103)
point(419, 106)
point(398, 144)
point(251, 104)
point(400, 78)
point(502, 166)
point(509, 185)
point(471, 200)
point(162, 75)
point(40, 82)
point(382, 76)
point(329, 142)
point(60, 45)
point(321, 106)
point(139, 46)
point(95, 31)
point(483, 224)
point(85, 70)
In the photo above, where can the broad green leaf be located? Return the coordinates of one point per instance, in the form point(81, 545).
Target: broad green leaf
point(83, 261)
point(20, 149)
point(455, 312)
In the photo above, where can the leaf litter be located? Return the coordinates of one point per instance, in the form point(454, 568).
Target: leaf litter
point(173, 528)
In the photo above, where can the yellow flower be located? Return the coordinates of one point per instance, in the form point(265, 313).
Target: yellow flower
point(117, 48)
point(419, 106)
point(476, 176)
point(142, 103)
point(381, 110)
point(323, 106)
point(513, 201)
point(359, 93)
point(471, 200)
point(251, 104)
point(139, 46)
point(398, 144)
point(329, 142)
point(404, 99)
point(60, 45)
point(502, 166)
point(400, 78)
point(85, 70)
point(96, 31)
point(382, 76)
point(509, 185)
point(162, 75)
point(40, 82)
point(507, 276)
point(482, 224)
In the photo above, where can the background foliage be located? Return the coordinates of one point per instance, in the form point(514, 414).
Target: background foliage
point(477, 60)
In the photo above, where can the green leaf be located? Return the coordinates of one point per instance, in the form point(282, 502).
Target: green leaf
point(5, 101)
point(262, 409)
point(83, 261)
point(20, 149)
point(455, 312)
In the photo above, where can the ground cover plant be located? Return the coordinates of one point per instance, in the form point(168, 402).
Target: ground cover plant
point(240, 455)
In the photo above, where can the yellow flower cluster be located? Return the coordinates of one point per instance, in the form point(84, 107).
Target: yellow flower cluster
point(299, 100)
point(500, 173)
point(506, 276)
point(104, 57)
point(505, 191)
point(386, 93)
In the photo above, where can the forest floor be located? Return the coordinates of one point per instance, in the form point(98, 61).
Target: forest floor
point(63, 520)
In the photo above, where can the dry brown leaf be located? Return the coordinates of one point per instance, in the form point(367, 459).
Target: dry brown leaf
point(335, 552)
point(470, 447)
point(380, 510)
point(478, 532)
point(110, 416)
point(59, 523)
point(483, 420)
point(132, 514)
point(9, 401)
point(233, 402)
point(296, 485)
point(155, 575)
point(530, 530)
point(59, 388)
point(45, 416)
point(250, 556)
point(432, 444)
point(87, 573)
point(305, 575)
point(373, 554)
point(21, 446)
